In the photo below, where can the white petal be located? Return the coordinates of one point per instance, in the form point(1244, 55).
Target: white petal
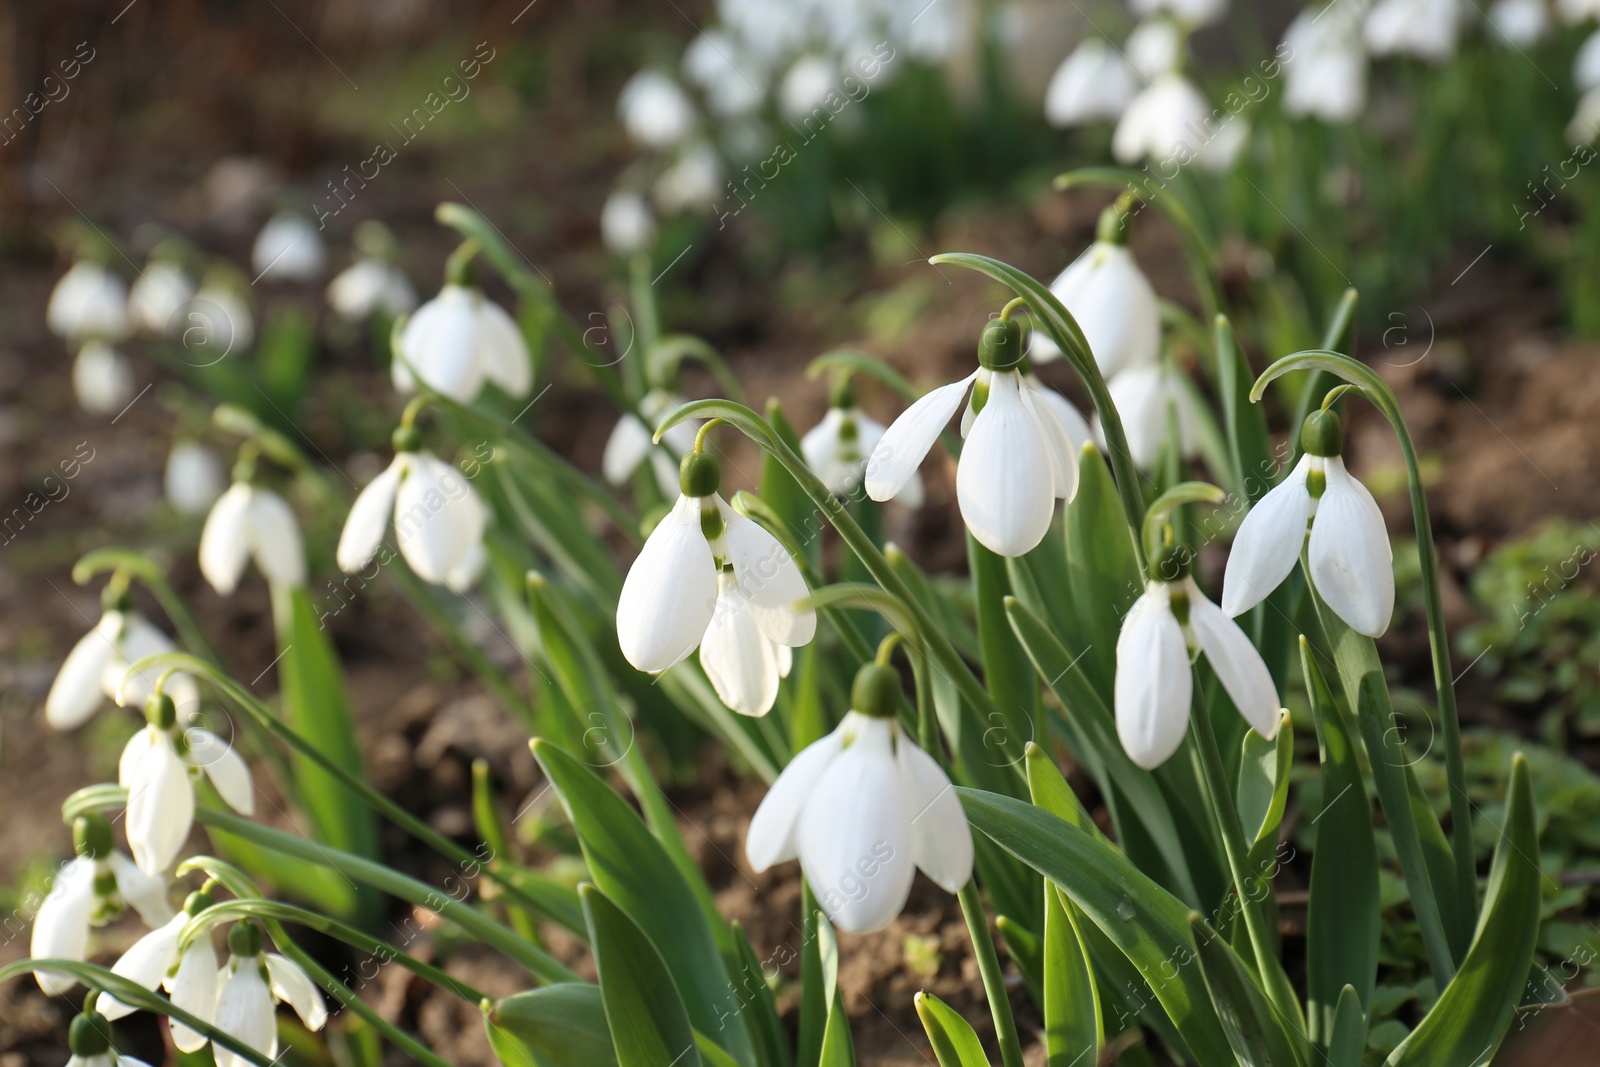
point(224, 542)
point(1153, 683)
point(275, 539)
point(670, 592)
point(146, 962)
point(426, 525)
point(941, 840)
point(1268, 543)
point(502, 352)
point(1114, 306)
point(125, 1061)
point(146, 893)
point(61, 927)
point(1238, 665)
point(130, 689)
point(769, 576)
point(160, 807)
point(369, 515)
point(838, 463)
point(666, 472)
point(855, 833)
point(1072, 420)
point(906, 443)
point(225, 767)
point(1141, 397)
point(76, 692)
point(1005, 481)
point(244, 1009)
point(134, 753)
point(441, 343)
point(194, 989)
point(294, 987)
point(464, 575)
point(626, 448)
point(771, 838)
point(738, 658)
point(1352, 564)
point(1063, 451)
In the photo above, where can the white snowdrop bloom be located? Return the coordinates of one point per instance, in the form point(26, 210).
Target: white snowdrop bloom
point(806, 85)
point(217, 323)
point(1093, 84)
point(89, 302)
point(89, 1038)
point(458, 341)
point(1586, 65)
point(90, 890)
point(1146, 398)
point(1168, 120)
point(1350, 560)
point(1325, 75)
point(1586, 120)
point(743, 663)
point(370, 285)
point(157, 296)
point(249, 522)
point(862, 809)
point(1519, 23)
point(194, 477)
point(1191, 13)
point(1426, 29)
point(1018, 456)
point(251, 986)
point(693, 181)
point(733, 81)
point(631, 443)
point(102, 379)
point(154, 769)
point(439, 519)
point(669, 599)
point(655, 111)
point(1223, 143)
point(288, 249)
point(189, 976)
point(1573, 12)
point(931, 32)
point(627, 224)
point(1155, 47)
point(1169, 623)
point(837, 449)
point(770, 30)
point(97, 667)
point(1112, 301)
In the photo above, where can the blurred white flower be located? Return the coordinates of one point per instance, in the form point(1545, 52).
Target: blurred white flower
point(1093, 84)
point(157, 296)
point(837, 449)
point(1426, 29)
point(458, 341)
point(693, 181)
point(288, 249)
point(631, 443)
point(1191, 13)
point(1155, 47)
point(369, 285)
point(189, 977)
point(439, 521)
point(1519, 23)
point(97, 667)
point(733, 81)
point(1586, 120)
point(88, 303)
point(655, 111)
point(1573, 12)
point(626, 223)
point(1114, 305)
point(806, 85)
point(1147, 399)
point(249, 522)
point(102, 379)
point(215, 324)
point(1586, 64)
point(1325, 74)
point(1168, 120)
point(250, 986)
point(194, 477)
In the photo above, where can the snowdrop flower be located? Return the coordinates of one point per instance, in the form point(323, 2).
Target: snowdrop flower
point(189, 975)
point(1191, 13)
point(96, 667)
point(1169, 120)
point(1171, 622)
point(806, 85)
point(669, 599)
point(154, 769)
point(837, 449)
point(370, 285)
point(732, 81)
point(89, 302)
point(626, 223)
point(439, 519)
point(1111, 299)
point(1093, 84)
point(1520, 23)
point(1155, 47)
point(693, 181)
point(1586, 65)
point(101, 378)
point(217, 322)
point(251, 986)
point(1573, 12)
point(288, 249)
point(631, 443)
point(1426, 29)
point(655, 111)
point(89, 1038)
point(249, 522)
point(194, 477)
point(1326, 74)
point(743, 663)
point(1349, 559)
point(1146, 398)
point(461, 339)
point(1586, 120)
point(157, 296)
point(1019, 456)
point(91, 890)
point(861, 809)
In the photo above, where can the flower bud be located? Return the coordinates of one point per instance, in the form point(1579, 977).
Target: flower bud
point(842, 393)
point(1000, 344)
point(91, 836)
point(406, 439)
point(876, 692)
point(89, 1036)
point(699, 474)
point(244, 940)
point(160, 712)
point(114, 597)
point(197, 902)
point(1169, 563)
point(1323, 434)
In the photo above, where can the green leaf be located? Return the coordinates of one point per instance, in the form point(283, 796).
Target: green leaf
point(755, 997)
point(837, 1048)
point(1145, 922)
point(556, 1024)
point(1026, 951)
point(1258, 1036)
point(1005, 666)
point(955, 1043)
point(644, 1011)
point(1103, 577)
point(632, 868)
point(1471, 1016)
point(1342, 918)
point(1348, 1038)
point(1264, 782)
point(781, 492)
point(1246, 423)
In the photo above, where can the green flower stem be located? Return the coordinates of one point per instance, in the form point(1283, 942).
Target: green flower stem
point(401, 1040)
point(646, 322)
point(994, 986)
point(1246, 883)
point(137, 565)
point(1316, 388)
point(536, 960)
point(264, 718)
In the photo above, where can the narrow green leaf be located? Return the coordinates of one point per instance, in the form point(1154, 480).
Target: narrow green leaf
point(1005, 666)
point(1255, 1031)
point(1471, 1016)
point(837, 1048)
point(814, 1000)
point(643, 1008)
point(1026, 951)
point(1246, 423)
point(756, 1000)
point(955, 1043)
point(557, 1024)
point(1103, 577)
point(1348, 1040)
point(1264, 782)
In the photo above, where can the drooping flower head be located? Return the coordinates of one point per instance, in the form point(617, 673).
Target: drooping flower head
point(158, 295)
point(1349, 559)
point(863, 809)
point(461, 339)
point(288, 249)
point(90, 302)
point(632, 442)
point(97, 667)
point(159, 960)
point(194, 477)
point(655, 110)
point(89, 1038)
point(1425, 29)
point(249, 988)
point(373, 283)
point(837, 448)
point(1019, 455)
point(1111, 299)
point(102, 378)
point(627, 225)
point(251, 522)
point(1093, 84)
point(1325, 69)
